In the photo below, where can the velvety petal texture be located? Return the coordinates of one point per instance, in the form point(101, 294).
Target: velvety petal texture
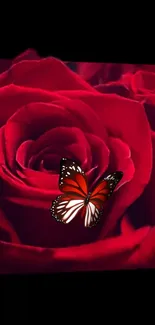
point(48, 112)
point(114, 253)
point(135, 82)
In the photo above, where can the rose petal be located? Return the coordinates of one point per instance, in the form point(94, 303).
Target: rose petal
point(39, 179)
point(150, 111)
point(144, 256)
point(22, 153)
point(44, 74)
point(2, 147)
point(9, 174)
point(17, 191)
point(118, 116)
point(87, 70)
point(143, 81)
point(30, 122)
point(114, 88)
point(126, 79)
point(146, 203)
point(82, 153)
point(7, 233)
point(126, 225)
point(35, 159)
point(83, 115)
point(36, 227)
point(29, 54)
point(13, 97)
point(20, 124)
point(74, 151)
point(62, 136)
point(51, 162)
point(120, 159)
point(113, 71)
point(100, 159)
point(97, 73)
point(112, 253)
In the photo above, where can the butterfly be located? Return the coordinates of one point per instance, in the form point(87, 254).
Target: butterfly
point(77, 199)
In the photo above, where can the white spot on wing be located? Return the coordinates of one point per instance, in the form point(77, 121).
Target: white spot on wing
point(70, 214)
point(60, 207)
point(90, 214)
point(86, 217)
point(74, 202)
point(74, 214)
point(92, 206)
point(63, 202)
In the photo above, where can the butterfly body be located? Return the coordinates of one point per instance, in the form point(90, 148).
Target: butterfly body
point(76, 198)
point(87, 198)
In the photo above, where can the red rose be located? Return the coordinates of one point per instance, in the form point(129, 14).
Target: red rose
point(100, 73)
point(141, 87)
point(47, 112)
point(140, 214)
point(127, 80)
point(30, 54)
point(140, 84)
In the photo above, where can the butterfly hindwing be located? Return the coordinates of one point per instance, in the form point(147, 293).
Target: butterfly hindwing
point(92, 215)
point(65, 209)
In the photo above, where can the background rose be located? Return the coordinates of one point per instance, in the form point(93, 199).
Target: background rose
point(30, 54)
point(47, 112)
point(138, 83)
point(98, 73)
point(127, 80)
point(139, 86)
point(134, 81)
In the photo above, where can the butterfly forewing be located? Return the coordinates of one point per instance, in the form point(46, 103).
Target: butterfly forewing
point(105, 188)
point(72, 178)
point(73, 184)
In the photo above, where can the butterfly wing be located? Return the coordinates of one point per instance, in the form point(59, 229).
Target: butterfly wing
point(99, 196)
point(73, 184)
point(92, 215)
point(72, 179)
point(65, 209)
